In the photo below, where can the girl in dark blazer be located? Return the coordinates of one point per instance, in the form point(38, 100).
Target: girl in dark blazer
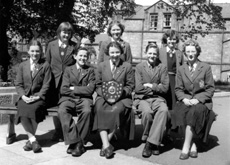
point(194, 90)
point(172, 57)
point(108, 117)
point(115, 31)
point(32, 85)
point(59, 55)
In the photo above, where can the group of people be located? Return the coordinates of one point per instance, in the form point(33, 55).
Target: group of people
point(161, 83)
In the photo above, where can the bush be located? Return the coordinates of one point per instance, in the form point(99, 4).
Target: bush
point(219, 82)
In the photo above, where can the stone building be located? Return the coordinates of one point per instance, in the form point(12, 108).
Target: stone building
point(150, 22)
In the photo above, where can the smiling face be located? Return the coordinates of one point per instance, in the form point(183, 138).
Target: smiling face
point(171, 42)
point(152, 55)
point(114, 54)
point(65, 36)
point(81, 57)
point(115, 32)
point(191, 53)
point(34, 53)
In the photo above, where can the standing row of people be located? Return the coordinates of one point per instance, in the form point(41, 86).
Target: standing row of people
point(71, 81)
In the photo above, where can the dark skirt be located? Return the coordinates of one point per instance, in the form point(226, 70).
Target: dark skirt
point(108, 117)
point(195, 116)
point(36, 111)
point(171, 96)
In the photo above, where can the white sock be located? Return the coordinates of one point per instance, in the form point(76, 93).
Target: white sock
point(32, 139)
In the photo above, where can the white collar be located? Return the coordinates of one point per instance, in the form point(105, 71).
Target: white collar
point(60, 43)
point(168, 49)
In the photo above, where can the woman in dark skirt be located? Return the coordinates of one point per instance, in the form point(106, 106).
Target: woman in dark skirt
point(32, 84)
point(194, 90)
point(110, 116)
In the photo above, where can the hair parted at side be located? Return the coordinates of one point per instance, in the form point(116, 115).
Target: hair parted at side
point(77, 49)
point(65, 26)
point(172, 34)
point(112, 23)
point(114, 44)
point(35, 42)
point(192, 42)
point(151, 45)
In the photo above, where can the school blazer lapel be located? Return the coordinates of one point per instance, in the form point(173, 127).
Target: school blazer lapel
point(27, 71)
point(55, 48)
point(107, 70)
point(68, 52)
point(187, 72)
point(83, 73)
point(75, 73)
point(151, 74)
point(119, 70)
point(197, 71)
point(40, 66)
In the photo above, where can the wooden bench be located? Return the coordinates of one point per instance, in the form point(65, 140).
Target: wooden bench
point(11, 110)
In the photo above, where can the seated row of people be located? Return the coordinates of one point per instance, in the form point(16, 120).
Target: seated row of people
point(150, 82)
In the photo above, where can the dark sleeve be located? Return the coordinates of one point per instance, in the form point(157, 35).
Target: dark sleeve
point(99, 80)
point(139, 88)
point(207, 94)
point(86, 90)
point(129, 54)
point(101, 52)
point(130, 81)
point(48, 54)
point(46, 81)
point(163, 86)
point(19, 81)
point(65, 87)
point(179, 88)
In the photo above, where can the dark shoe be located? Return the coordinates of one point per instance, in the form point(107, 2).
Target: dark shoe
point(147, 151)
point(57, 137)
point(193, 154)
point(184, 156)
point(11, 139)
point(79, 149)
point(36, 147)
point(28, 146)
point(155, 150)
point(71, 148)
point(102, 152)
point(109, 151)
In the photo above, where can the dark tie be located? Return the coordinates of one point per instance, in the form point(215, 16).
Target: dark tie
point(113, 69)
point(191, 70)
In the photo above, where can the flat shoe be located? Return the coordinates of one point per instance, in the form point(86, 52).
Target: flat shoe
point(193, 154)
point(109, 151)
point(28, 146)
point(36, 147)
point(184, 156)
point(102, 152)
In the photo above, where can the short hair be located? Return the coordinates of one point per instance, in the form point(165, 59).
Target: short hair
point(151, 45)
point(172, 34)
point(114, 44)
point(77, 49)
point(191, 42)
point(65, 26)
point(111, 24)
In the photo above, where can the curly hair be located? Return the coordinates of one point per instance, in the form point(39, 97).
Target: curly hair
point(114, 44)
point(192, 43)
point(77, 49)
point(111, 24)
point(172, 34)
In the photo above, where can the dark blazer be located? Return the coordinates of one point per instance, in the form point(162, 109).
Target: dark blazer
point(38, 85)
point(126, 56)
point(53, 57)
point(123, 74)
point(163, 57)
point(84, 83)
point(158, 77)
point(200, 86)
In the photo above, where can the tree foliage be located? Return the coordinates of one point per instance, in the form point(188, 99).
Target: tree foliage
point(202, 16)
point(89, 17)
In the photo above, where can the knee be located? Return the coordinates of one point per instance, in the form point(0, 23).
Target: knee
point(87, 107)
point(62, 107)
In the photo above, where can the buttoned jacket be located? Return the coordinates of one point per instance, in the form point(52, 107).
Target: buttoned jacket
point(157, 76)
point(200, 86)
point(58, 65)
point(164, 57)
point(82, 80)
point(38, 85)
point(123, 74)
point(126, 56)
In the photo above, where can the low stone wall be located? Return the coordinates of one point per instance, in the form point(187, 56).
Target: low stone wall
point(8, 95)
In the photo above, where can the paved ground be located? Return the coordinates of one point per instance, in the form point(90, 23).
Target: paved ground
point(217, 152)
